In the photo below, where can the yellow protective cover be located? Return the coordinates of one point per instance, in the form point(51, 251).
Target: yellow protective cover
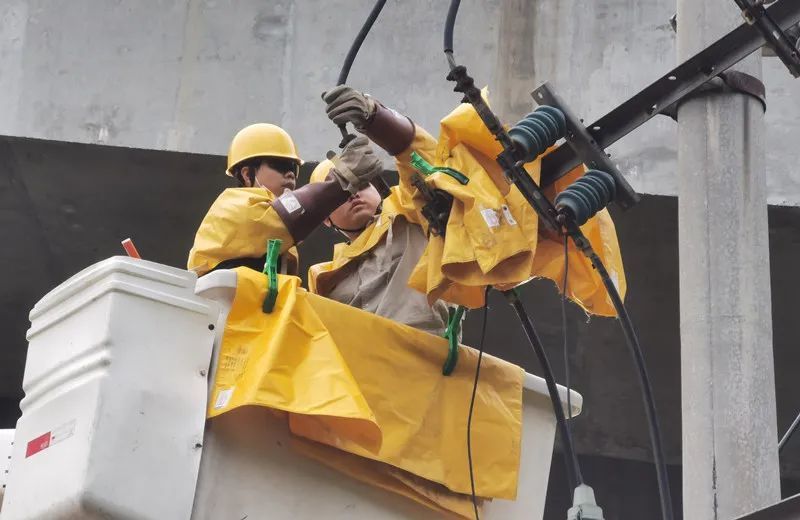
point(370, 387)
point(493, 234)
point(238, 225)
point(381, 475)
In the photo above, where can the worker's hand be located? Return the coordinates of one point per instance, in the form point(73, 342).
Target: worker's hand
point(347, 105)
point(356, 165)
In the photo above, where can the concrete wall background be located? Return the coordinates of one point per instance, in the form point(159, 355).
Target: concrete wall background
point(185, 75)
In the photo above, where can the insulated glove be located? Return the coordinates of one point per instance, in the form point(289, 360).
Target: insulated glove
point(347, 105)
point(356, 165)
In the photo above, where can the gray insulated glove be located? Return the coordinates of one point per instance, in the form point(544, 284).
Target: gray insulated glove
point(347, 105)
point(357, 165)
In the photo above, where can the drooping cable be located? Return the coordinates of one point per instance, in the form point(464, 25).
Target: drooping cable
point(472, 403)
point(574, 475)
point(635, 348)
point(564, 329)
point(575, 206)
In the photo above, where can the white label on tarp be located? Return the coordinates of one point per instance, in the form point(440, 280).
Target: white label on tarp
point(508, 216)
point(223, 398)
point(490, 217)
point(290, 202)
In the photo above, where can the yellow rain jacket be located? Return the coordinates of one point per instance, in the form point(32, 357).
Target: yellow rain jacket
point(493, 233)
point(372, 388)
point(238, 225)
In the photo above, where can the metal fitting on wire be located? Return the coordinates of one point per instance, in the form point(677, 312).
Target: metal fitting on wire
point(537, 132)
point(586, 196)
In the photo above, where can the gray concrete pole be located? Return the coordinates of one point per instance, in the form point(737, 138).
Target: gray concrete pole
point(730, 457)
point(514, 75)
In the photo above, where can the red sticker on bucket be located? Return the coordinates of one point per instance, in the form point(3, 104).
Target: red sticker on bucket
point(38, 444)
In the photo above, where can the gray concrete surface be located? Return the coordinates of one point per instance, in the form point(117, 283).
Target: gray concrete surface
point(185, 75)
point(730, 465)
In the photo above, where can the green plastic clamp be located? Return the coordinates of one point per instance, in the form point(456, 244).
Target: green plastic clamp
point(426, 169)
point(451, 333)
point(271, 270)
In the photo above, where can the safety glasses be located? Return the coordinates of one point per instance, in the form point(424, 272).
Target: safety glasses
point(282, 165)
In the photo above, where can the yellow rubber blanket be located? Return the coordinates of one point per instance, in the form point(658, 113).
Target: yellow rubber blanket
point(493, 235)
point(370, 387)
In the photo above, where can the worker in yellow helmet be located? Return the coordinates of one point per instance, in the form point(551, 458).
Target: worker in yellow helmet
point(264, 159)
point(384, 243)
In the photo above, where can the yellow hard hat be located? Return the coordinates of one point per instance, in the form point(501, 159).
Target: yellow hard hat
point(321, 171)
point(260, 140)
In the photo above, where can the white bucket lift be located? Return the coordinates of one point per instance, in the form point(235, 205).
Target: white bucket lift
point(115, 384)
point(114, 415)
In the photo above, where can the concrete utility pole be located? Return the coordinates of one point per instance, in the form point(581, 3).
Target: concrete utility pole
point(515, 60)
point(730, 457)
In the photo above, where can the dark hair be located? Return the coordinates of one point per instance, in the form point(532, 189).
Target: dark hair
point(254, 164)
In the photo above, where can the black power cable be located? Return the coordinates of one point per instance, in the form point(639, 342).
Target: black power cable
point(574, 474)
point(595, 186)
point(449, 26)
point(564, 328)
point(635, 348)
point(494, 125)
point(472, 403)
point(362, 35)
point(351, 57)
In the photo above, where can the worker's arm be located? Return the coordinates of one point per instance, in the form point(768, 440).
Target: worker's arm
point(305, 208)
point(387, 128)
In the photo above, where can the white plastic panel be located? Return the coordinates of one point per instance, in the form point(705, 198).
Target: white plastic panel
point(115, 396)
point(6, 445)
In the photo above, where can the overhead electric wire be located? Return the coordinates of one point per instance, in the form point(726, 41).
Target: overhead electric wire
point(449, 27)
point(360, 37)
point(574, 475)
point(472, 403)
point(353, 52)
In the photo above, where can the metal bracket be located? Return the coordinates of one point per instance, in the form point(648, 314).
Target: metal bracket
point(756, 15)
point(730, 81)
point(673, 86)
point(586, 147)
